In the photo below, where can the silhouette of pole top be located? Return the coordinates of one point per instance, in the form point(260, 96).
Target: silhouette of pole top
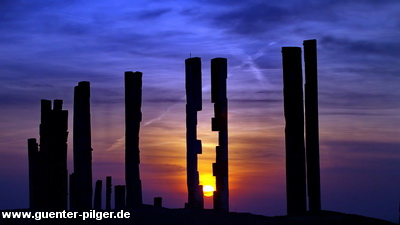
point(290, 49)
point(193, 59)
point(219, 59)
point(311, 41)
point(138, 73)
point(83, 90)
point(83, 83)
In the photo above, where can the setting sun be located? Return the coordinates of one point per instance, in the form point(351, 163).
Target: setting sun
point(208, 190)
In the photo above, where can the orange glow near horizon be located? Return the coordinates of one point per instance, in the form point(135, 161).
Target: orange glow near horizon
point(256, 153)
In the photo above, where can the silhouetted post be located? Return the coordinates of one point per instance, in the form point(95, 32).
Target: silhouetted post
point(35, 175)
point(133, 117)
point(119, 197)
point(294, 130)
point(48, 173)
point(158, 202)
point(82, 149)
point(311, 115)
point(97, 195)
point(72, 192)
point(108, 193)
point(193, 146)
point(45, 130)
point(220, 124)
point(54, 150)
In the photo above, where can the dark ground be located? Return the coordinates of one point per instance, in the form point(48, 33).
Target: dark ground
point(154, 216)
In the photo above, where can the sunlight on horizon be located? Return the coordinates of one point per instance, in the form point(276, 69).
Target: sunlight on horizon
point(208, 190)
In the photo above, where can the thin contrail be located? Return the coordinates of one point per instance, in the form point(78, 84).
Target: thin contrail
point(249, 60)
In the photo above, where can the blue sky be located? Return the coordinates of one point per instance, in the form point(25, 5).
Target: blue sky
point(49, 46)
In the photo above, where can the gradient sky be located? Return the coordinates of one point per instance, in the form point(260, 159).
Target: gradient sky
point(48, 46)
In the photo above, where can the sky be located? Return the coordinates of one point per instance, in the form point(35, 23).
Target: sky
point(48, 46)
